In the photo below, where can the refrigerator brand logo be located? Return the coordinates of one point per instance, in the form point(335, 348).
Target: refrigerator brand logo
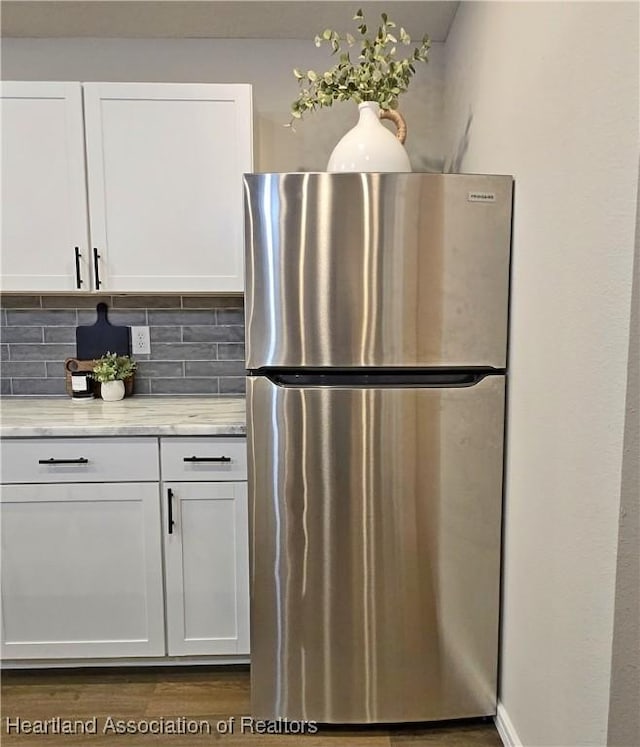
point(481, 197)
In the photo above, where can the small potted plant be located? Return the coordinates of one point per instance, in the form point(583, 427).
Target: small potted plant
point(373, 81)
point(111, 371)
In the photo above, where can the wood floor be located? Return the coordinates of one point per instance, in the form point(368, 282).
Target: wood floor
point(180, 699)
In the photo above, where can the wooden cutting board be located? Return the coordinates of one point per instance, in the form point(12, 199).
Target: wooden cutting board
point(94, 340)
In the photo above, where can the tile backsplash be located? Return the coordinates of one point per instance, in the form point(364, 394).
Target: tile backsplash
point(197, 342)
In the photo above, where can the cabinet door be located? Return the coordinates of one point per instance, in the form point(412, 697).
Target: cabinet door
point(165, 165)
point(44, 204)
point(81, 571)
point(206, 557)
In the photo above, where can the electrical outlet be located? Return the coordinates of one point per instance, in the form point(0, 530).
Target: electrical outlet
point(140, 342)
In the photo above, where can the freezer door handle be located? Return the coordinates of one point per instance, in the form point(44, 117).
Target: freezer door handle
point(382, 378)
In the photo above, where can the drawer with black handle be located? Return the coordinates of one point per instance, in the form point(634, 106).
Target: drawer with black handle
point(205, 458)
point(51, 460)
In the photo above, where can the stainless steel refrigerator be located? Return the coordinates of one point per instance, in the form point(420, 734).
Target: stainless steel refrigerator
point(376, 319)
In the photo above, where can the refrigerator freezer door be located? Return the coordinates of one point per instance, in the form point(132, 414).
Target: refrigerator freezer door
point(370, 270)
point(375, 551)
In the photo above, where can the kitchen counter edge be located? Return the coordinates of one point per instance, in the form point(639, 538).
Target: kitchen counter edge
point(135, 416)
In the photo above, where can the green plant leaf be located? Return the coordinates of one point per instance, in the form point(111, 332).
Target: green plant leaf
point(376, 75)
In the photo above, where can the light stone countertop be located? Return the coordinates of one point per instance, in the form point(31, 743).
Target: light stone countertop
point(33, 417)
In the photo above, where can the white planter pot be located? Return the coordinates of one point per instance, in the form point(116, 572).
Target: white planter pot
point(369, 146)
point(112, 391)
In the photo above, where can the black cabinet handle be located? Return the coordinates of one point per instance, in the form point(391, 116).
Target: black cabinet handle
point(207, 459)
point(96, 267)
point(51, 460)
point(170, 520)
point(78, 276)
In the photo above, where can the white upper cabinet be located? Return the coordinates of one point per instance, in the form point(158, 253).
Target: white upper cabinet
point(165, 165)
point(164, 169)
point(44, 203)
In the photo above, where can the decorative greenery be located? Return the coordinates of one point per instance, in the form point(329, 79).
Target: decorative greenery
point(377, 75)
point(112, 367)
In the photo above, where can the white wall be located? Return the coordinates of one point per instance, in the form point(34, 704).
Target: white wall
point(624, 698)
point(265, 63)
point(548, 92)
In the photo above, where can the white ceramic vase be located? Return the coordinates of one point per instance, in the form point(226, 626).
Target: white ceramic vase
point(369, 146)
point(112, 391)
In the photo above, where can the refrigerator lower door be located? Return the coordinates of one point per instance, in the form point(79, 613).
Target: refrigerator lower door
point(375, 551)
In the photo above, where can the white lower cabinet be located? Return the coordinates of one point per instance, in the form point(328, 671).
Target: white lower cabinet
point(81, 571)
point(85, 524)
point(207, 568)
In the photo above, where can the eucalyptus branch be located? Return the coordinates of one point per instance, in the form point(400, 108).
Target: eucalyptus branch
point(375, 75)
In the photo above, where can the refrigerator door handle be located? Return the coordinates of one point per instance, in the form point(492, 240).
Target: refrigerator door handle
point(368, 379)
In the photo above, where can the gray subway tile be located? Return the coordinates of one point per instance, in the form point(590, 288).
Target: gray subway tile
point(210, 333)
point(200, 368)
point(211, 302)
point(192, 355)
point(165, 334)
point(38, 386)
point(141, 385)
point(3, 317)
point(230, 316)
point(183, 351)
point(5, 387)
point(128, 317)
point(138, 357)
point(230, 351)
point(231, 368)
point(60, 334)
point(214, 368)
point(42, 352)
point(146, 302)
point(20, 302)
point(21, 334)
point(176, 317)
point(4, 352)
point(31, 370)
point(41, 317)
point(53, 369)
point(123, 317)
point(232, 385)
point(184, 386)
point(149, 369)
point(74, 301)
